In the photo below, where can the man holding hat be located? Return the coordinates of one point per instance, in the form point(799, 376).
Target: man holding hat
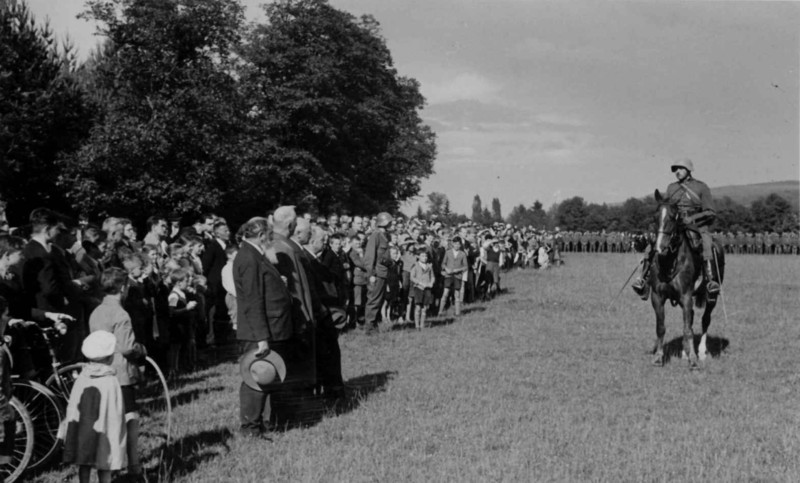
point(696, 208)
point(266, 329)
point(375, 256)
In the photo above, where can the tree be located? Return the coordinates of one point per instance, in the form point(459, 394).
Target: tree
point(43, 112)
point(346, 125)
point(571, 214)
point(436, 205)
point(173, 130)
point(477, 210)
point(772, 213)
point(497, 215)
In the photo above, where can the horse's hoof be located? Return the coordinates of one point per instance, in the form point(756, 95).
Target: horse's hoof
point(693, 365)
point(658, 360)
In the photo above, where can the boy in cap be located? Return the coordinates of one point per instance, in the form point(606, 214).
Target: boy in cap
point(94, 430)
point(109, 316)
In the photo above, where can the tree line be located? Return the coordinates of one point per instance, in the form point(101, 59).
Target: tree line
point(770, 213)
point(184, 107)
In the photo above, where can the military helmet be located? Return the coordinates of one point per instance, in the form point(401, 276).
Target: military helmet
point(683, 163)
point(384, 219)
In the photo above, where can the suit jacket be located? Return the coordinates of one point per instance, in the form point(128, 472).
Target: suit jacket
point(290, 265)
point(43, 279)
point(214, 259)
point(263, 302)
point(334, 276)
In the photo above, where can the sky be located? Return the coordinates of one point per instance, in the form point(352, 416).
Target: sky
point(545, 100)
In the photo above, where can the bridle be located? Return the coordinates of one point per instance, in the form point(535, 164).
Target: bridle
point(668, 217)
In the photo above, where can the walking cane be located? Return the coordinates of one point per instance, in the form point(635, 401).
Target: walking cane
point(166, 395)
point(623, 286)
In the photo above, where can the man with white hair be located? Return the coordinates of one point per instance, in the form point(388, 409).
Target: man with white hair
point(329, 355)
point(289, 263)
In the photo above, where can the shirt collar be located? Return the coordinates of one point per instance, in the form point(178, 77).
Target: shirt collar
point(260, 250)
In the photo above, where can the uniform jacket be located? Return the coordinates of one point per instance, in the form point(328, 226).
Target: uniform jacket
point(376, 253)
point(688, 201)
point(263, 302)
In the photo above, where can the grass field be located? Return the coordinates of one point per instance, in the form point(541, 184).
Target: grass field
point(541, 384)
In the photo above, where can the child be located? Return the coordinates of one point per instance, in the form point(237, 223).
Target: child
point(453, 268)
point(394, 284)
point(180, 314)
point(408, 259)
point(422, 281)
point(94, 430)
point(6, 414)
point(109, 316)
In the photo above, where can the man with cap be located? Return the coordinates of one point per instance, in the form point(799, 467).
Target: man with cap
point(696, 208)
point(265, 324)
point(375, 257)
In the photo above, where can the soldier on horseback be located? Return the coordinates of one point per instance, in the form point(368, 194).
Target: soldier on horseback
point(696, 208)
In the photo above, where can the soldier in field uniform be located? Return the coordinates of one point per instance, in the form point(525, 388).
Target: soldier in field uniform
point(696, 208)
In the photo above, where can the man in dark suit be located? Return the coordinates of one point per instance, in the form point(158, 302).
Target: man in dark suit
point(264, 311)
point(214, 259)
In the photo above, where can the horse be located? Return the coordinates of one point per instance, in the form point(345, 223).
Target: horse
point(676, 274)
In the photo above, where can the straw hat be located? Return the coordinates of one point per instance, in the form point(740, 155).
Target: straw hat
point(261, 370)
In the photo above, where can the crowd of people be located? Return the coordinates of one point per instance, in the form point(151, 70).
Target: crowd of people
point(284, 285)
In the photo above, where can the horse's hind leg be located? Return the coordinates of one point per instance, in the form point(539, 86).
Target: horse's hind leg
point(658, 307)
point(688, 334)
point(702, 350)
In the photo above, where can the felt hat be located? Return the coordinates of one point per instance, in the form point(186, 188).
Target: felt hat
point(339, 317)
point(99, 345)
point(260, 370)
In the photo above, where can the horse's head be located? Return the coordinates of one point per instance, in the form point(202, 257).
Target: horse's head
point(667, 223)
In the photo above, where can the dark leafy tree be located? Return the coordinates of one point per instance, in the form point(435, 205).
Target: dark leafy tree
point(347, 127)
point(43, 111)
point(571, 214)
point(172, 133)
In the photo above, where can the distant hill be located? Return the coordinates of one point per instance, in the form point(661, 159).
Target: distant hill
point(748, 193)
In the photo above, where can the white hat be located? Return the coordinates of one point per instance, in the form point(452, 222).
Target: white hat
point(99, 345)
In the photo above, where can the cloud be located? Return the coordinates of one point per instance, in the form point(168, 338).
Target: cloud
point(463, 86)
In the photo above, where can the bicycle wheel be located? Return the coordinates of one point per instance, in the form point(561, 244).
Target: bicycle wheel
point(66, 379)
point(46, 412)
point(23, 443)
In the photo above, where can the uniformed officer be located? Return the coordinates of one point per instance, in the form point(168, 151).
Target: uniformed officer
point(696, 208)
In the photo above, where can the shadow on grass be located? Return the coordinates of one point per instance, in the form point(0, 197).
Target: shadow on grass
point(156, 402)
point(186, 454)
point(471, 309)
point(309, 410)
point(715, 346)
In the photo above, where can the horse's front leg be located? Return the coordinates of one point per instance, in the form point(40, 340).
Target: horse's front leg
point(688, 335)
point(702, 350)
point(658, 306)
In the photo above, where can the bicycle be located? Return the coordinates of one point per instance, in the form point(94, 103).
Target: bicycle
point(45, 405)
point(23, 443)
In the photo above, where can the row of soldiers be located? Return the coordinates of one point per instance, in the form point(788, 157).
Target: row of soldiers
point(772, 243)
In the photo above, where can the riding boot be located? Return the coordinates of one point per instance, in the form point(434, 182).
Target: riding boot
point(640, 285)
point(712, 286)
